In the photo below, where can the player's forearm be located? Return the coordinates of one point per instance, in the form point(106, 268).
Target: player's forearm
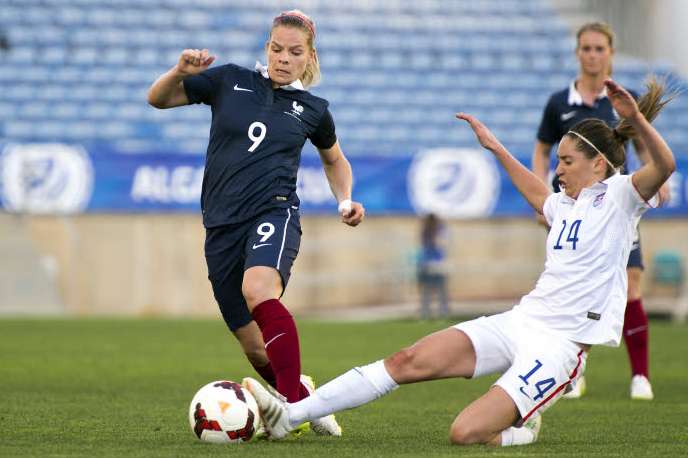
point(641, 151)
point(657, 153)
point(340, 177)
point(528, 184)
point(167, 89)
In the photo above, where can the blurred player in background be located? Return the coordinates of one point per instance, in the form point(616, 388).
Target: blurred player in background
point(540, 345)
point(260, 121)
point(585, 98)
point(432, 266)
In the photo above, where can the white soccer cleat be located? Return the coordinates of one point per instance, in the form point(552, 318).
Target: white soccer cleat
point(299, 430)
point(261, 433)
point(578, 389)
point(273, 410)
point(323, 426)
point(534, 425)
point(641, 389)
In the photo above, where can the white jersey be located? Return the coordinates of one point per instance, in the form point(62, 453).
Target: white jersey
point(582, 292)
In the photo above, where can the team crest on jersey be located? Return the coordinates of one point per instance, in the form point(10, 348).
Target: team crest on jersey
point(296, 110)
point(598, 200)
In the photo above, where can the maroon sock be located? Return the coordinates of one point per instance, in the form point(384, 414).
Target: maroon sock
point(635, 332)
point(266, 373)
point(282, 346)
point(303, 392)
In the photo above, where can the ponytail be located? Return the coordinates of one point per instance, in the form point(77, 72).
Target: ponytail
point(594, 136)
point(650, 104)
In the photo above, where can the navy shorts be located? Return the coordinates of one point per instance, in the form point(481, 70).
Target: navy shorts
point(635, 258)
point(271, 239)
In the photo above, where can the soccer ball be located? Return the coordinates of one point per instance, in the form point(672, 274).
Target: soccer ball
point(223, 412)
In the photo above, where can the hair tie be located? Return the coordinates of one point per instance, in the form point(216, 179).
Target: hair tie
point(618, 135)
point(300, 17)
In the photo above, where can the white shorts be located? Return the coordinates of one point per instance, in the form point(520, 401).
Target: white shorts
point(536, 364)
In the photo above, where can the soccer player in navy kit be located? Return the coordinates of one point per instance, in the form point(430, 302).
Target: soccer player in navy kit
point(586, 97)
point(260, 121)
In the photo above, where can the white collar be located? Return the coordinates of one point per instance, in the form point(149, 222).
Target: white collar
point(294, 85)
point(575, 98)
point(609, 178)
point(595, 187)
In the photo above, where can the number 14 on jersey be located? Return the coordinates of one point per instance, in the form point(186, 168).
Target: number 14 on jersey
point(572, 237)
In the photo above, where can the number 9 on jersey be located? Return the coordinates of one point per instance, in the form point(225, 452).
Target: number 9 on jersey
point(256, 138)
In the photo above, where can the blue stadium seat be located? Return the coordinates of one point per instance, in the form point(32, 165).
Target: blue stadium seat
point(394, 76)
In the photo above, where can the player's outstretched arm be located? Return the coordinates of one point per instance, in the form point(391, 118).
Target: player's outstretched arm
point(168, 90)
point(340, 177)
point(528, 184)
point(661, 163)
point(540, 167)
point(643, 155)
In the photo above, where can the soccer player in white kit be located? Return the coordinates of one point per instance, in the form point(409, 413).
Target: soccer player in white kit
point(540, 345)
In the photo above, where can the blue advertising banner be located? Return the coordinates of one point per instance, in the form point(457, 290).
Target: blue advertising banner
point(452, 182)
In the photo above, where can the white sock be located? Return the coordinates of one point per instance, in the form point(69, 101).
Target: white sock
point(357, 387)
point(517, 436)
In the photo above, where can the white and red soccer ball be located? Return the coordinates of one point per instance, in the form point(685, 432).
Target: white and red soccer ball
point(223, 412)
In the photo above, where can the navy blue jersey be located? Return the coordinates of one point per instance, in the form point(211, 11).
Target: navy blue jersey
point(256, 137)
point(565, 109)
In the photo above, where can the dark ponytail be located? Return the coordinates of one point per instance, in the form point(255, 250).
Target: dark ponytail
point(650, 104)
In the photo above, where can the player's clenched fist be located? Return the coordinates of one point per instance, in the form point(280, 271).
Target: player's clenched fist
point(194, 61)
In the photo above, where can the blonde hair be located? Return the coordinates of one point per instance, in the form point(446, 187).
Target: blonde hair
point(599, 27)
point(299, 20)
point(610, 141)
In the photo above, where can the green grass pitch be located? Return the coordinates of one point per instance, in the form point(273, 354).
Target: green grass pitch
point(97, 388)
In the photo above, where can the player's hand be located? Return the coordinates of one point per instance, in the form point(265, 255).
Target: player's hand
point(194, 61)
point(664, 194)
point(353, 215)
point(622, 101)
point(486, 138)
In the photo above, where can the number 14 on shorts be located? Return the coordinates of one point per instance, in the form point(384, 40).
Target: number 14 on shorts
point(536, 390)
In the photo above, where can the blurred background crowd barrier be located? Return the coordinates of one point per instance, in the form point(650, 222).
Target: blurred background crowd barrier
point(100, 191)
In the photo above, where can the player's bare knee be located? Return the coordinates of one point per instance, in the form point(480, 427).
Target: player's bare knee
point(260, 285)
point(255, 292)
point(403, 365)
point(462, 433)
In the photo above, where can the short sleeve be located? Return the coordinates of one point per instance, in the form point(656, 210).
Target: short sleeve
point(324, 136)
point(548, 131)
point(627, 197)
point(204, 87)
point(550, 207)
